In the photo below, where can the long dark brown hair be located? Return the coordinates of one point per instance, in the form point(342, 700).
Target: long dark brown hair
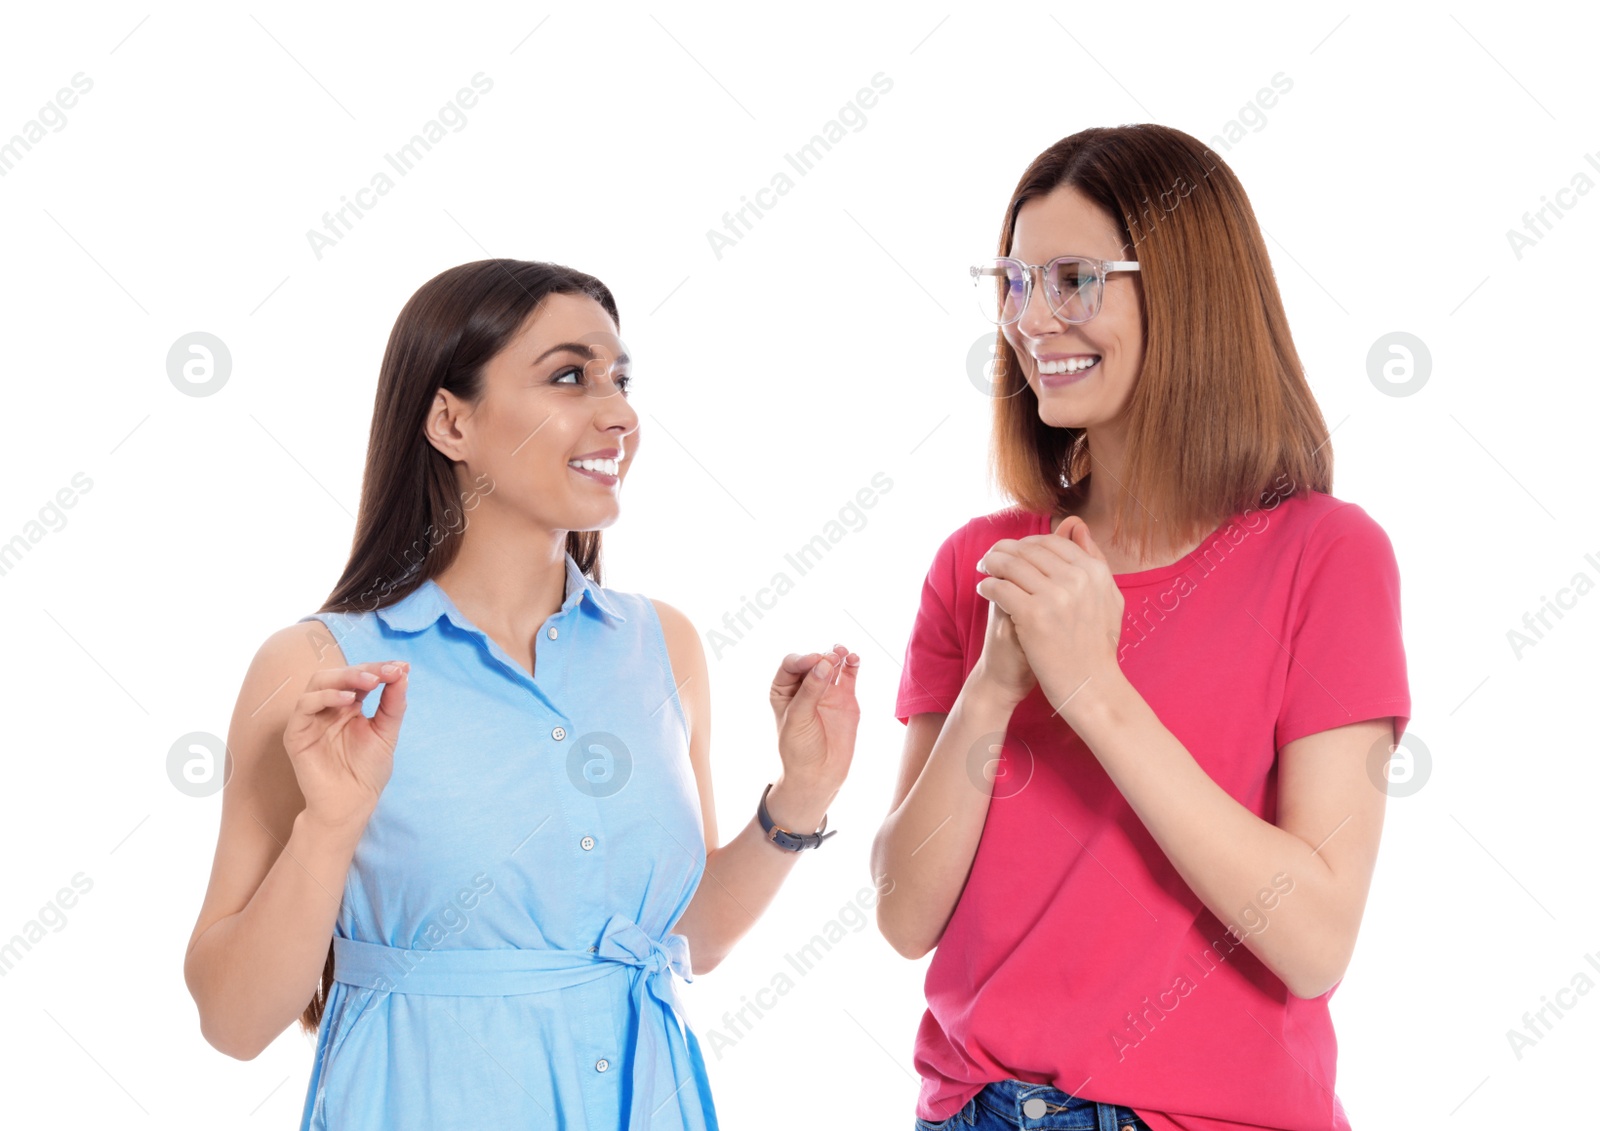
point(409, 525)
point(1220, 414)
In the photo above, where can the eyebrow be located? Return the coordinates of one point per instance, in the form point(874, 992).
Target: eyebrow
point(578, 348)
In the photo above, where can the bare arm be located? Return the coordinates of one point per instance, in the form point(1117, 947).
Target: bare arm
point(924, 850)
point(743, 876)
point(1064, 603)
point(1294, 891)
point(261, 939)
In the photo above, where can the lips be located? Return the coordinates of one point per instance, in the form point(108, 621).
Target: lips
point(1063, 378)
point(598, 476)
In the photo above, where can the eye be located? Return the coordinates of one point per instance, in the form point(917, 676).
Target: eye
point(623, 380)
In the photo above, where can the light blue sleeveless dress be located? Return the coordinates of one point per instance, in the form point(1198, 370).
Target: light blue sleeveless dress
point(502, 953)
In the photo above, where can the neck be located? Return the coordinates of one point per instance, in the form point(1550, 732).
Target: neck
point(508, 577)
point(1099, 493)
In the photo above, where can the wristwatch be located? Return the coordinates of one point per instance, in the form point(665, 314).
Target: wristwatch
point(783, 838)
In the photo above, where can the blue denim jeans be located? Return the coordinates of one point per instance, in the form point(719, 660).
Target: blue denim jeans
point(1007, 1105)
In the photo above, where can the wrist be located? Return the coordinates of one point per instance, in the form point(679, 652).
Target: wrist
point(985, 694)
point(799, 806)
point(1095, 704)
point(340, 835)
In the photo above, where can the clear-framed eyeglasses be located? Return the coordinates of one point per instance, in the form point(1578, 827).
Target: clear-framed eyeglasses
point(1073, 286)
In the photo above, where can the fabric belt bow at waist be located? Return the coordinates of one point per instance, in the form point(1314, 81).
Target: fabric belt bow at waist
point(458, 972)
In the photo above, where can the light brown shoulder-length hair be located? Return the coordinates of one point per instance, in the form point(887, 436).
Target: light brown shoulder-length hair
point(409, 525)
point(1220, 414)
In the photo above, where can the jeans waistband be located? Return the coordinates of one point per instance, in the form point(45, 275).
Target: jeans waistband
point(1040, 1107)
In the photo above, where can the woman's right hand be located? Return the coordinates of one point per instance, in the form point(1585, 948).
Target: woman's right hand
point(341, 758)
point(1002, 665)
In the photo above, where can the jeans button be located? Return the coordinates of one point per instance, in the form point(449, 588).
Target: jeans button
point(1033, 1108)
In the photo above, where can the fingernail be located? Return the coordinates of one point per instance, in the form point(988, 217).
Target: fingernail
point(390, 669)
point(821, 670)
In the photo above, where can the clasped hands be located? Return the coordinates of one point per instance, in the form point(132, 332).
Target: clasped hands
point(1055, 618)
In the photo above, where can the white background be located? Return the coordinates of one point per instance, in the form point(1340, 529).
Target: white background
point(830, 344)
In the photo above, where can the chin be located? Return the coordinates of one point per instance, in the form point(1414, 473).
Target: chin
point(1056, 418)
point(601, 522)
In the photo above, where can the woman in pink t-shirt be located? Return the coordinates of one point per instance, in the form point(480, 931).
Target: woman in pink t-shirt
point(1150, 706)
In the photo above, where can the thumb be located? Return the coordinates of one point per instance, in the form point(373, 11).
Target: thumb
point(391, 709)
point(1075, 529)
point(803, 708)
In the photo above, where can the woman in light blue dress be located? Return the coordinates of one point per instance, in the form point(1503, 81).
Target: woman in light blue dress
point(472, 792)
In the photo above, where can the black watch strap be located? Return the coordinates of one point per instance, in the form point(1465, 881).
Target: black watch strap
point(783, 838)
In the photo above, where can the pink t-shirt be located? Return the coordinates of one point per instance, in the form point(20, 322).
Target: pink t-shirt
point(1077, 956)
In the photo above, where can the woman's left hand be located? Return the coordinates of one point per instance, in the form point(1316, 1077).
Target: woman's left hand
point(817, 718)
point(1059, 592)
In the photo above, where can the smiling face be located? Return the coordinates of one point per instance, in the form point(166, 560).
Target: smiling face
point(552, 434)
point(1065, 222)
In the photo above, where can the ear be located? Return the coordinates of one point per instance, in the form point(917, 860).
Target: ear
point(443, 424)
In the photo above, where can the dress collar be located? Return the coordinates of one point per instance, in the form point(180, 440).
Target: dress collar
point(428, 602)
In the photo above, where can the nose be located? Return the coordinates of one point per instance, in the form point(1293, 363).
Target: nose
point(615, 415)
point(1037, 318)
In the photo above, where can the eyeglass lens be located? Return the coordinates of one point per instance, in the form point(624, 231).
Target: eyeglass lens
point(1072, 288)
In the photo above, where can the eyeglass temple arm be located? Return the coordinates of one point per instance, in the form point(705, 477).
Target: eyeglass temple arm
point(1110, 265)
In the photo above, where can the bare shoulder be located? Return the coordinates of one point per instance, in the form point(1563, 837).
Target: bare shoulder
point(285, 661)
point(683, 642)
point(674, 621)
point(689, 676)
point(261, 795)
point(688, 658)
point(275, 679)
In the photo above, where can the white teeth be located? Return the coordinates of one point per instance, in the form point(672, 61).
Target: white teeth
point(1069, 365)
point(604, 466)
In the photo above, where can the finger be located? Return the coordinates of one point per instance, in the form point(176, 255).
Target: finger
point(1074, 532)
point(1007, 595)
point(848, 669)
point(391, 709)
point(792, 670)
point(1060, 548)
point(1008, 545)
point(1047, 552)
point(359, 677)
point(1017, 568)
point(812, 685)
point(312, 703)
point(1081, 536)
